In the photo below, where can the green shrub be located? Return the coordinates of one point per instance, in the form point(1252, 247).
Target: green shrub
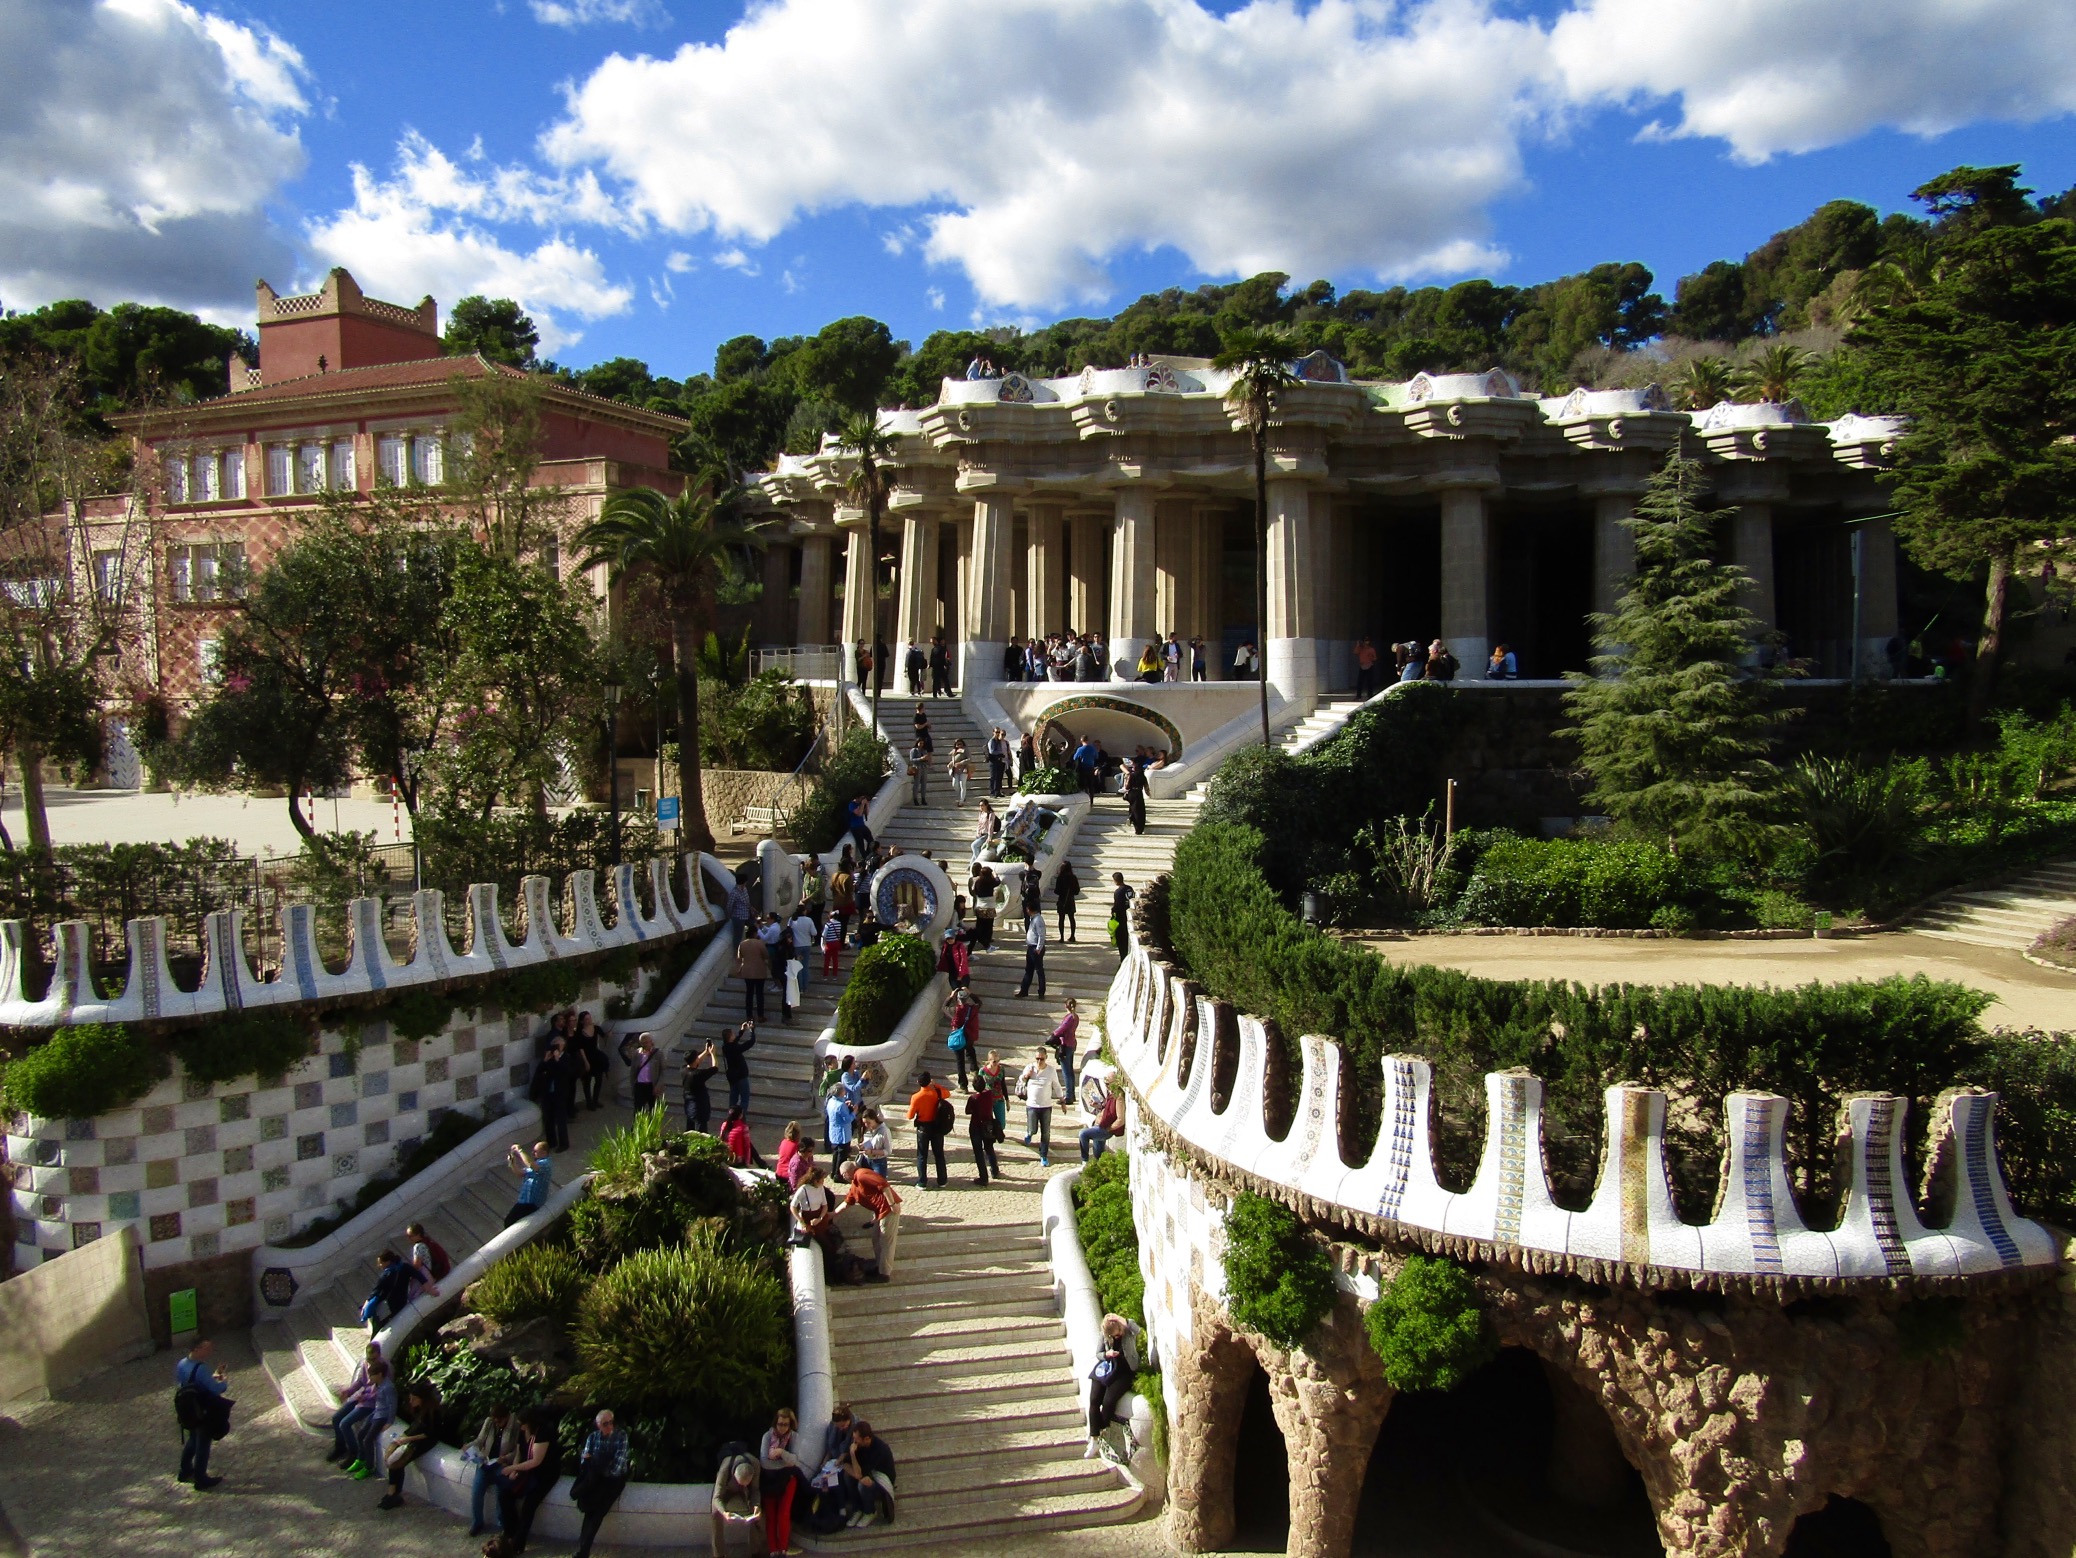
point(1812, 1045)
point(541, 987)
point(247, 1044)
point(855, 768)
point(418, 1014)
point(1857, 819)
point(471, 1384)
point(691, 1326)
point(884, 982)
point(1429, 1327)
point(536, 1281)
point(80, 1072)
point(617, 1159)
point(1279, 1280)
point(1621, 884)
point(1052, 780)
point(1109, 1238)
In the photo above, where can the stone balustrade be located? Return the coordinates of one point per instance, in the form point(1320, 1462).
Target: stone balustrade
point(1164, 1034)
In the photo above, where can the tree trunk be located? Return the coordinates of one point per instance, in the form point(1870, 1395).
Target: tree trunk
point(1990, 650)
point(1261, 573)
point(872, 611)
point(35, 817)
point(295, 812)
point(692, 801)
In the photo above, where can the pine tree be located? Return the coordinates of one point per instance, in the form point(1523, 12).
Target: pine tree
point(1672, 726)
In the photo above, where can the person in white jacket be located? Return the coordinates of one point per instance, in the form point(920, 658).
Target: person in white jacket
point(1040, 1085)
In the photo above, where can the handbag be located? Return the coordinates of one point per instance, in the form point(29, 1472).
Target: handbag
point(1112, 927)
point(957, 1039)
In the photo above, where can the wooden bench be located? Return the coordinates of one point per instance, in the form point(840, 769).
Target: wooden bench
point(758, 819)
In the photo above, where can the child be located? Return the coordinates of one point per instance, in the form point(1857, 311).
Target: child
point(832, 942)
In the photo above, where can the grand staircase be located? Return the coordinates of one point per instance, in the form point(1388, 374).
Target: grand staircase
point(2014, 913)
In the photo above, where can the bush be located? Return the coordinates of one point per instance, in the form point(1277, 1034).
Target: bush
point(419, 1014)
point(691, 1326)
point(617, 1159)
point(1858, 819)
point(855, 768)
point(1053, 780)
point(884, 983)
point(1428, 1326)
point(471, 1384)
point(1615, 883)
point(2057, 944)
point(1279, 1280)
point(80, 1072)
point(249, 1044)
point(536, 1281)
point(1812, 1045)
point(768, 722)
point(1109, 1238)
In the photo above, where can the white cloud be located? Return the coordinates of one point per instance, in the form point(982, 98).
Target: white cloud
point(1771, 76)
point(679, 262)
point(1350, 136)
point(735, 259)
point(425, 231)
point(934, 296)
point(140, 141)
point(585, 13)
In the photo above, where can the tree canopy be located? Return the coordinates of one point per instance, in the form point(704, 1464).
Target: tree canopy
point(496, 328)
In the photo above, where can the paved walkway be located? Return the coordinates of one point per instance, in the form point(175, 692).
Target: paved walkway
point(2027, 995)
point(258, 825)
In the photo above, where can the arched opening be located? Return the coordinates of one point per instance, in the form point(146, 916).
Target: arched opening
point(1261, 1475)
point(1514, 1459)
point(1843, 1528)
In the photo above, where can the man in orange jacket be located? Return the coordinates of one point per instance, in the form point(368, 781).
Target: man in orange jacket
point(931, 1112)
point(871, 1191)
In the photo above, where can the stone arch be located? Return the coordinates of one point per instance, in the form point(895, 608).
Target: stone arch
point(1210, 1372)
point(1841, 1528)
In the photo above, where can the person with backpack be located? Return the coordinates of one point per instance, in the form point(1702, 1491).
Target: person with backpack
point(996, 1081)
point(980, 1129)
point(963, 1009)
point(552, 1080)
point(930, 1111)
point(202, 1410)
point(804, 934)
point(392, 1290)
point(429, 1262)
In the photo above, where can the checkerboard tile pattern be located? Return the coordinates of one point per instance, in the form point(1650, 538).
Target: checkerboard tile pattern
point(205, 1170)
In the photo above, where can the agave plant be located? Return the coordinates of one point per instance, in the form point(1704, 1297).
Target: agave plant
point(1859, 818)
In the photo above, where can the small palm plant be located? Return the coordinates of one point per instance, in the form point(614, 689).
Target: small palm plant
point(682, 544)
point(871, 449)
point(1772, 372)
point(1259, 363)
point(1703, 382)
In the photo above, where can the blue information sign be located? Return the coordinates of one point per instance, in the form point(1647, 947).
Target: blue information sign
point(666, 811)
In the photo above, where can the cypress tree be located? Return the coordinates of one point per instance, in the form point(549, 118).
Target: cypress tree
point(1672, 726)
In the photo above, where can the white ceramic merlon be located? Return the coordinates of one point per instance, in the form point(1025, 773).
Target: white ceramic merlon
point(780, 878)
point(1159, 1025)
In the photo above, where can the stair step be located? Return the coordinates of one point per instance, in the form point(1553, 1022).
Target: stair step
point(866, 1306)
point(975, 1415)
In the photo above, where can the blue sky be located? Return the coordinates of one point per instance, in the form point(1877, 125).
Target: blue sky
point(655, 176)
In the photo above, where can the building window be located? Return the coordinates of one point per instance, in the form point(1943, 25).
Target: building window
point(389, 460)
point(280, 473)
point(206, 570)
point(234, 473)
point(551, 557)
point(108, 575)
point(207, 485)
point(309, 467)
point(343, 477)
point(209, 657)
point(428, 461)
point(176, 478)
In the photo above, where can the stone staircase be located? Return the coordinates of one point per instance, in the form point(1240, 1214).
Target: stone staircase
point(2014, 913)
point(1322, 724)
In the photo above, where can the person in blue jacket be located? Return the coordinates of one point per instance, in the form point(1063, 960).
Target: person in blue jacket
point(201, 1413)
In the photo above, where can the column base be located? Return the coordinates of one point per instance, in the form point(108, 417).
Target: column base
point(1875, 665)
point(1471, 655)
point(1294, 671)
point(1124, 659)
point(979, 662)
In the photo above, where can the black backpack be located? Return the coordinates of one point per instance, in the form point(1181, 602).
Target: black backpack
point(943, 1117)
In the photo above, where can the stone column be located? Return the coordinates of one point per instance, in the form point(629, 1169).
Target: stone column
point(1131, 580)
point(858, 597)
point(812, 625)
point(1333, 577)
point(774, 609)
point(1175, 550)
point(1614, 548)
point(1086, 570)
point(987, 581)
point(1045, 576)
point(1878, 615)
point(1209, 585)
point(1751, 548)
point(1330, 1399)
point(1292, 628)
point(1467, 544)
point(916, 596)
point(1210, 1374)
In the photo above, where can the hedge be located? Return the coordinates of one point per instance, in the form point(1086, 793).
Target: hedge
point(1813, 1045)
point(1279, 1280)
point(1621, 883)
point(884, 983)
point(81, 1072)
point(1428, 1326)
point(1109, 1238)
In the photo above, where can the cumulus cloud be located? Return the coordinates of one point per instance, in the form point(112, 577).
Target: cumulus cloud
point(585, 13)
point(1772, 76)
point(1049, 135)
point(428, 229)
point(139, 143)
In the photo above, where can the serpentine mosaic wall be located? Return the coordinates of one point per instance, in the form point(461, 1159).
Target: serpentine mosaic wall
point(204, 1169)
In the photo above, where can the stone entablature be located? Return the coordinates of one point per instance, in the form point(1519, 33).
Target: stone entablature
point(1164, 1035)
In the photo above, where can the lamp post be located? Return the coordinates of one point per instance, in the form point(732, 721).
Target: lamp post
point(612, 706)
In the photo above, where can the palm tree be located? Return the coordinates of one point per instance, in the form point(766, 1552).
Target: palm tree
point(1703, 382)
point(1772, 372)
point(872, 450)
point(681, 543)
point(1261, 373)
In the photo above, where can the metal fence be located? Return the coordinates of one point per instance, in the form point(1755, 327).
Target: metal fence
point(812, 663)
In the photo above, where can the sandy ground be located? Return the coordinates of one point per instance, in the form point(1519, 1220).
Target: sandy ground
point(258, 825)
point(2027, 995)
